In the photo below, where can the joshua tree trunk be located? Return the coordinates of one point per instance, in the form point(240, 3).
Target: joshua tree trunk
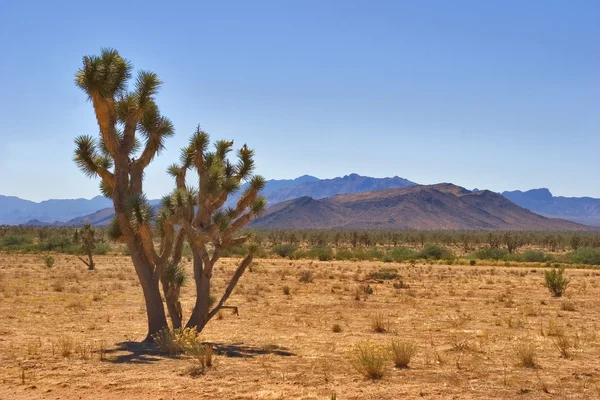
point(154, 305)
point(173, 305)
point(201, 306)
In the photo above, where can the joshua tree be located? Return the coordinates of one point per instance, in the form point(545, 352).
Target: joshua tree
point(119, 158)
point(87, 239)
point(210, 227)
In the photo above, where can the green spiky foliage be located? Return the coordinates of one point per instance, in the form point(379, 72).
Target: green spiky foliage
point(209, 226)
point(87, 240)
point(132, 132)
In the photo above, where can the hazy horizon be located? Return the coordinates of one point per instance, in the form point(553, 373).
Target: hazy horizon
point(500, 95)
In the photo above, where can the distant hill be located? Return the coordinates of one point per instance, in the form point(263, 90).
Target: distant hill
point(15, 211)
point(277, 191)
point(584, 210)
point(441, 206)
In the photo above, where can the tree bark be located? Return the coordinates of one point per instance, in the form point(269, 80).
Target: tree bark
point(155, 310)
point(200, 311)
point(173, 306)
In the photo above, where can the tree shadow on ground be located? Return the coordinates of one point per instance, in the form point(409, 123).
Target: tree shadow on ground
point(146, 353)
point(136, 353)
point(244, 351)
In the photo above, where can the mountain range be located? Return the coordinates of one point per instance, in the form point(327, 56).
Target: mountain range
point(307, 189)
point(424, 207)
point(585, 210)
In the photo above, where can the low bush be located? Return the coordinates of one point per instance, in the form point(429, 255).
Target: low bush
point(15, 242)
point(284, 250)
point(585, 255)
point(306, 277)
point(369, 359)
point(556, 282)
point(383, 274)
point(490, 253)
point(399, 254)
point(435, 252)
point(320, 253)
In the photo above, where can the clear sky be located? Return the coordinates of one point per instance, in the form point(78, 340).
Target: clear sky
point(488, 94)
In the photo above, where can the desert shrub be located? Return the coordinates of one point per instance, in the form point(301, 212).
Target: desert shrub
point(564, 345)
point(527, 355)
point(344, 254)
point(286, 290)
point(14, 242)
point(472, 262)
point(585, 255)
point(402, 352)
point(378, 323)
point(306, 276)
point(528, 256)
point(336, 328)
point(65, 345)
point(399, 254)
point(102, 248)
point(383, 274)
point(320, 253)
point(435, 252)
point(568, 306)
point(177, 341)
point(555, 281)
point(367, 289)
point(62, 244)
point(401, 285)
point(490, 253)
point(49, 261)
point(369, 359)
point(534, 256)
point(284, 250)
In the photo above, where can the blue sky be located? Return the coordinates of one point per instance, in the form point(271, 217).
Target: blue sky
point(489, 94)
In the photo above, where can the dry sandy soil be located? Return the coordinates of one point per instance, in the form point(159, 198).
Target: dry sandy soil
point(468, 323)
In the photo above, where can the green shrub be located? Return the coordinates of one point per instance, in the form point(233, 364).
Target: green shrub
point(528, 256)
point(585, 255)
point(284, 250)
point(102, 248)
point(15, 242)
point(436, 252)
point(490, 253)
point(534, 256)
point(556, 282)
point(63, 244)
point(320, 253)
point(399, 254)
point(49, 261)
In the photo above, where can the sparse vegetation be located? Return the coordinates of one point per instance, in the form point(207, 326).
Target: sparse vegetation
point(49, 261)
point(527, 355)
point(379, 323)
point(402, 353)
point(555, 281)
point(369, 359)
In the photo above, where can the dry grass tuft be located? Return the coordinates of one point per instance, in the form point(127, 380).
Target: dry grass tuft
point(527, 355)
point(402, 353)
point(306, 276)
point(369, 359)
point(379, 323)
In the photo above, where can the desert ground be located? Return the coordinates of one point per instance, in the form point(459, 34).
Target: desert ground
point(70, 333)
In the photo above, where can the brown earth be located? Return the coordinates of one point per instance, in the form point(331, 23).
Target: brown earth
point(443, 206)
point(467, 322)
